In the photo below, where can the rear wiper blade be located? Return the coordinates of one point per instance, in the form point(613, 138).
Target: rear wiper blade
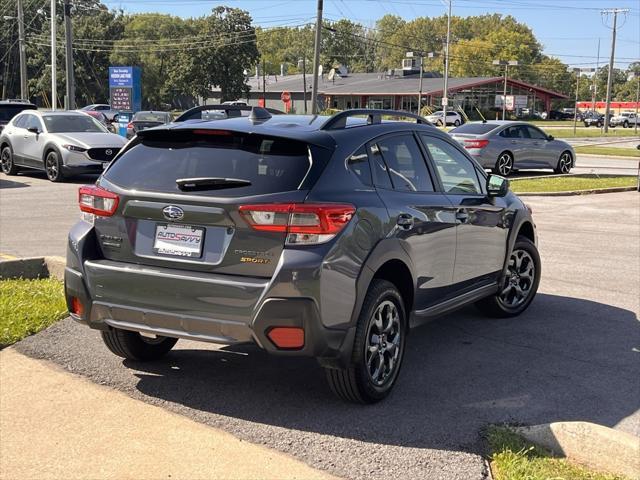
point(210, 183)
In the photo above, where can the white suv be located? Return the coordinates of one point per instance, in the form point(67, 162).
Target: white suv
point(626, 119)
point(453, 118)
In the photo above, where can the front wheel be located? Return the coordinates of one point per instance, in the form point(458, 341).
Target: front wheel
point(6, 161)
point(378, 348)
point(133, 346)
point(625, 125)
point(456, 123)
point(53, 167)
point(519, 285)
point(565, 163)
point(504, 165)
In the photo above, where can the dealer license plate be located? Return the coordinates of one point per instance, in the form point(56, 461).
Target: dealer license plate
point(178, 240)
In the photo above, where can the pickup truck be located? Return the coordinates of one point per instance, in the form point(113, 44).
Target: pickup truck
point(625, 119)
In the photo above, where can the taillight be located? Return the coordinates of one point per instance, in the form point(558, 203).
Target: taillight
point(97, 201)
point(476, 143)
point(304, 223)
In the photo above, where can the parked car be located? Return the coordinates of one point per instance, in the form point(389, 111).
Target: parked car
point(453, 118)
point(593, 119)
point(61, 143)
point(10, 108)
point(325, 237)
point(101, 117)
point(105, 108)
point(505, 146)
point(557, 115)
point(625, 119)
point(144, 120)
point(219, 112)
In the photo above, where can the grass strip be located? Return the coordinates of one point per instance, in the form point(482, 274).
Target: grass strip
point(570, 183)
point(513, 458)
point(620, 152)
point(28, 306)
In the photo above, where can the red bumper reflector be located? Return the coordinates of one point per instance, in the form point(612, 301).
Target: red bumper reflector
point(287, 337)
point(76, 306)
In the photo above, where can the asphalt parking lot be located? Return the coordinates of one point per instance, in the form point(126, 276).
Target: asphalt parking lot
point(574, 355)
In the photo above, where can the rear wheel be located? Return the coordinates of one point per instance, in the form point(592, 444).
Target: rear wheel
point(53, 166)
point(6, 161)
point(565, 163)
point(519, 285)
point(504, 165)
point(625, 124)
point(133, 346)
point(378, 348)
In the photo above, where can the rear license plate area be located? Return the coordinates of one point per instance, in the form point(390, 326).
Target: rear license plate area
point(175, 240)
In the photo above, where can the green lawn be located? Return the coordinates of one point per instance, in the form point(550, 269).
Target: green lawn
point(569, 183)
point(601, 150)
point(513, 458)
point(28, 306)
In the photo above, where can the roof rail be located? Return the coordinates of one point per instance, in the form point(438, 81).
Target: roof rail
point(231, 111)
point(374, 116)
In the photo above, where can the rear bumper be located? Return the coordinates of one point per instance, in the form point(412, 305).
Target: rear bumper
point(198, 306)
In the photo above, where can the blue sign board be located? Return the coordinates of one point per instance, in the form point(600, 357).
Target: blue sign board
point(125, 90)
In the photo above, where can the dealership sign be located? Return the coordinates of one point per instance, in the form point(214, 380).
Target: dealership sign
point(125, 92)
point(513, 102)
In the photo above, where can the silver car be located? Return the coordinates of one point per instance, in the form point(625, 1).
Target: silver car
point(61, 143)
point(104, 108)
point(505, 146)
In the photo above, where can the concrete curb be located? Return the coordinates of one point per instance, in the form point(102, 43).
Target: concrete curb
point(595, 446)
point(578, 192)
point(599, 155)
point(32, 268)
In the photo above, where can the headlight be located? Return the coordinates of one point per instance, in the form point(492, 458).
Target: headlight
point(74, 148)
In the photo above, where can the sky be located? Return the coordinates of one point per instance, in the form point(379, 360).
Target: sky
point(568, 29)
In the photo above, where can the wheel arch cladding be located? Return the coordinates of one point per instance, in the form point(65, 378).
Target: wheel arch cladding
point(526, 230)
point(398, 273)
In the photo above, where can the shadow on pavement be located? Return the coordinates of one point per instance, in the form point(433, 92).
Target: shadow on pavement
point(564, 359)
point(76, 179)
point(11, 184)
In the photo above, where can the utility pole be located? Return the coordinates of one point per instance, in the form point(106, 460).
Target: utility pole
point(316, 60)
point(54, 70)
point(24, 92)
point(595, 80)
point(68, 36)
point(264, 83)
point(445, 88)
point(615, 12)
point(420, 87)
point(302, 63)
point(575, 105)
point(506, 75)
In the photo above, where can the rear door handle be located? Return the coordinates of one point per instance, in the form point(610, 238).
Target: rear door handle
point(405, 221)
point(514, 141)
point(462, 216)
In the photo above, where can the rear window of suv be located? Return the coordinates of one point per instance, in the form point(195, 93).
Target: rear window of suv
point(157, 160)
point(8, 111)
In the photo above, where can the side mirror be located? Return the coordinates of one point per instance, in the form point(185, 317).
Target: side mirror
point(33, 130)
point(497, 186)
point(550, 137)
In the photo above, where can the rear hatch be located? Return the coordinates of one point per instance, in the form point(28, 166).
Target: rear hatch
point(179, 194)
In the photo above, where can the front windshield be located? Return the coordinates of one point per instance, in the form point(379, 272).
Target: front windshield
point(72, 123)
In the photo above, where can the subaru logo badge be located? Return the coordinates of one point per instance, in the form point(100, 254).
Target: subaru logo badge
point(172, 212)
point(108, 151)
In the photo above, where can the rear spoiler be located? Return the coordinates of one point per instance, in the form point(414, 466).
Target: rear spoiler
point(230, 110)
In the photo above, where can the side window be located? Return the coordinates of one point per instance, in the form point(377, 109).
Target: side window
point(405, 163)
point(380, 171)
point(21, 121)
point(536, 134)
point(34, 122)
point(457, 173)
point(358, 164)
point(102, 107)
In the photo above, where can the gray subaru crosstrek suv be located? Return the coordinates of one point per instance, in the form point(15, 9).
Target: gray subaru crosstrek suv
point(312, 236)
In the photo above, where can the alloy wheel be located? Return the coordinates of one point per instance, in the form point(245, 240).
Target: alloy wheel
point(5, 160)
point(382, 349)
point(505, 164)
point(565, 163)
point(51, 166)
point(519, 280)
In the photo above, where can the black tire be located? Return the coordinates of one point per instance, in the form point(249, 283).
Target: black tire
point(456, 123)
point(587, 125)
point(498, 305)
point(625, 124)
point(356, 383)
point(53, 166)
point(133, 346)
point(6, 160)
point(504, 164)
point(565, 163)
